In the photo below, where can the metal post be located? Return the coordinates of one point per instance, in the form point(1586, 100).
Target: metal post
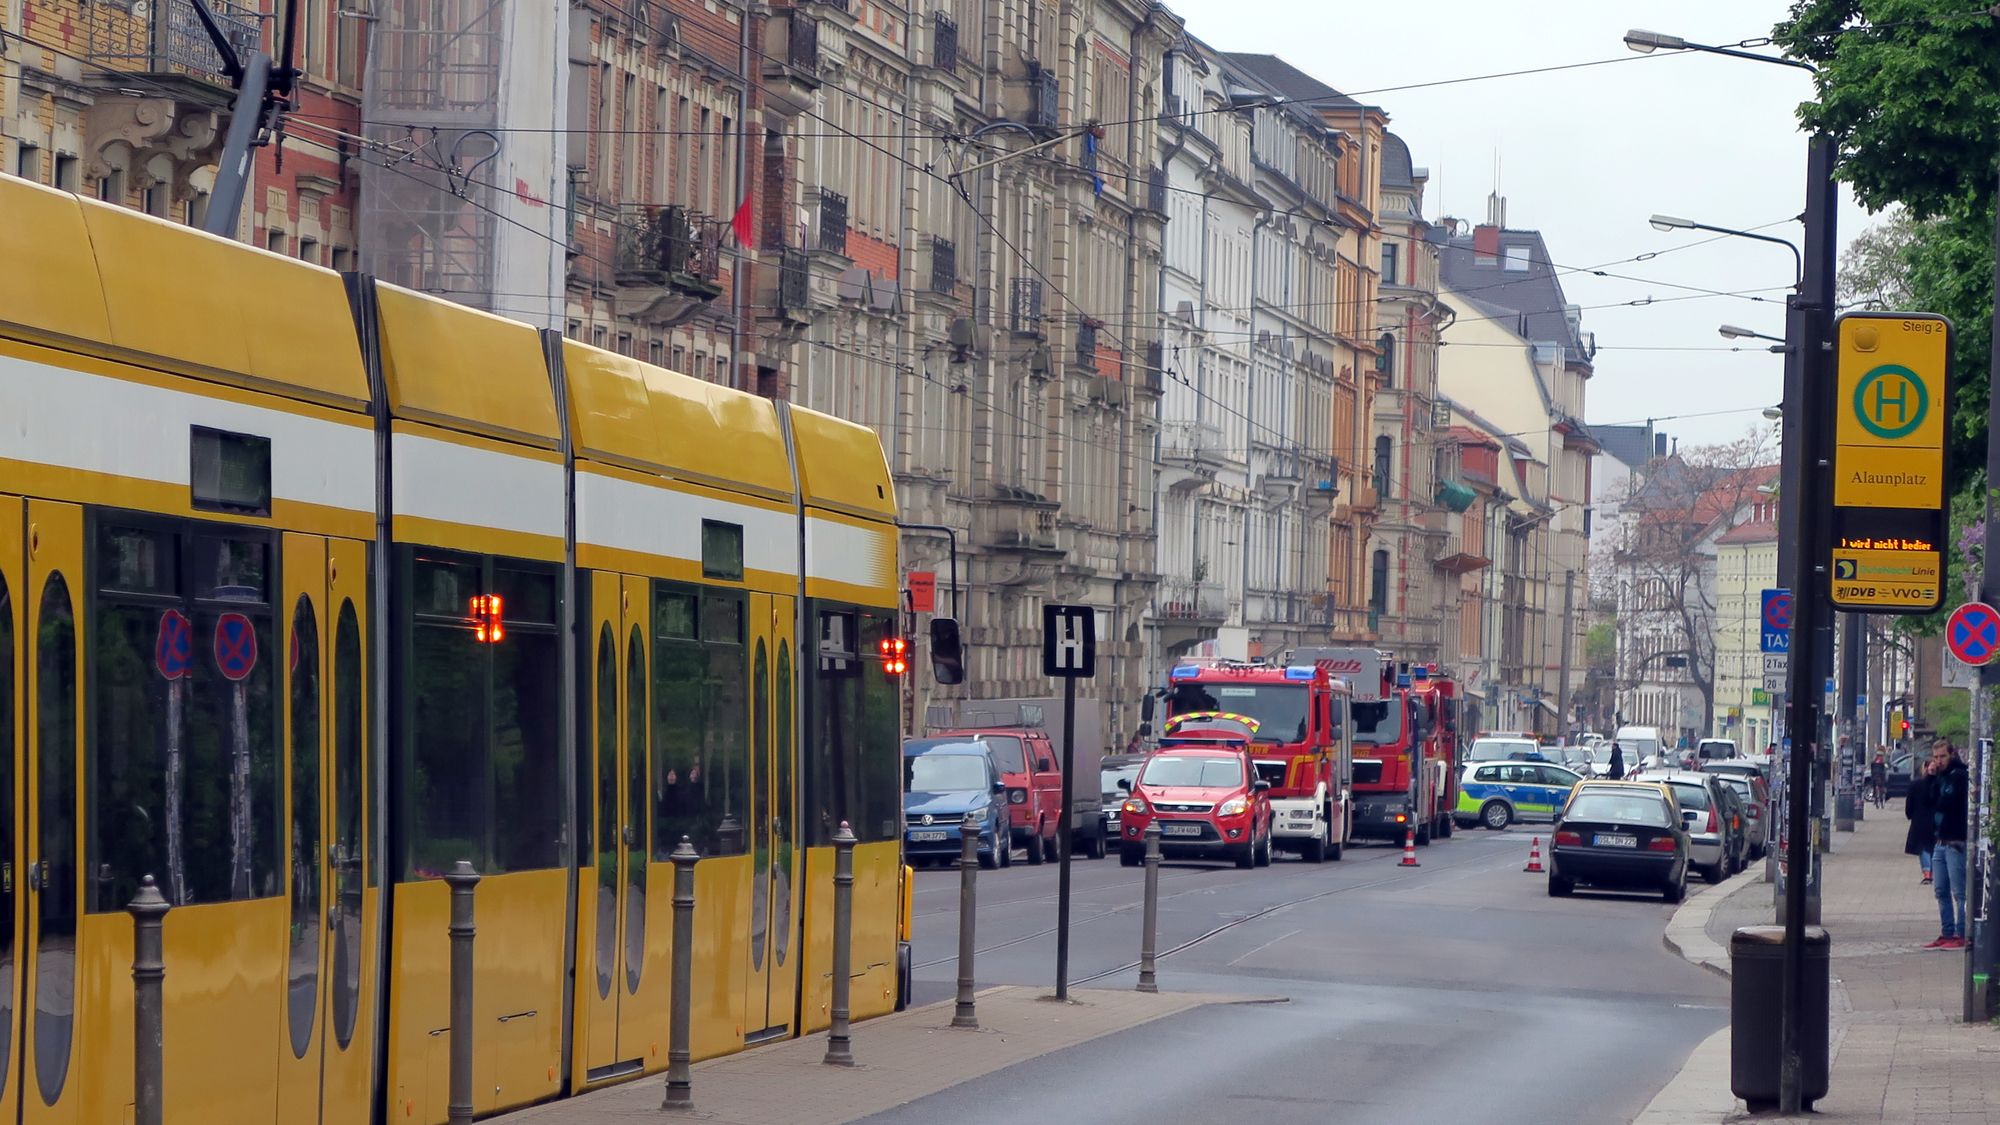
point(1853, 659)
point(1985, 953)
point(963, 1014)
point(1150, 936)
point(680, 1086)
point(232, 170)
point(1063, 834)
point(839, 1050)
point(463, 879)
point(1562, 684)
point(149, 915)
point(1803, 493)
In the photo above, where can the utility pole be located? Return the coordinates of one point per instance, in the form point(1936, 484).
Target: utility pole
point(1853, 723)
point(263, 93)
point(1985, 951)
point(1562, 683)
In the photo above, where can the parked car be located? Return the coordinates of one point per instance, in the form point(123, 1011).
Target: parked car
point(1712, 749)
point(1755, 795)
point(1209, 802)
point(1620, 835)
point(947, 787)
point(1112, 770)
point(1714, 843)
point(1642, 745)
point(1902, 771)
point(1032, 769)
point(1501, 748)
point(1498, 793)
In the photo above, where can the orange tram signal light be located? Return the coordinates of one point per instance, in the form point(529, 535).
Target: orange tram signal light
point(486, 626)
point(895, 655)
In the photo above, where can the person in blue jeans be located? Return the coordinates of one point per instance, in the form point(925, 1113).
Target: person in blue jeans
point(1949, 786)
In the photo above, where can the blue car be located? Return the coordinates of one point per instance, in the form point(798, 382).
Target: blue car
point(943, 785)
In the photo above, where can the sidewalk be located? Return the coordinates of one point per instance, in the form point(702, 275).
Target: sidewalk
point(900, 1057)
point(1899, 1052)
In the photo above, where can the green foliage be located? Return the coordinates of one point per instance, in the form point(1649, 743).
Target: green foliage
point(1951, 715)
point(1600, 645)
point(1910, 90)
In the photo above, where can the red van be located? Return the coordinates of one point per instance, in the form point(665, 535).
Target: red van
point(1032, 771)
point(1208, 799)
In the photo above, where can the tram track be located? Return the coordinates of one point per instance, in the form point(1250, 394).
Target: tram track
point(1126, 908)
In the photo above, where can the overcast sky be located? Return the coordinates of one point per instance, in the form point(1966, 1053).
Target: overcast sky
point(1585, 156)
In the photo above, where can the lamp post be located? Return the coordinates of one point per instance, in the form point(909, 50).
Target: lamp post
point(1778, 345)
point(1802, 543)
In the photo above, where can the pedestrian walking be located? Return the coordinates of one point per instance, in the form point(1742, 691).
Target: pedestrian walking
point(1617, 771)
point(1948, 807)
point(1878, 775)
point(1922, 837)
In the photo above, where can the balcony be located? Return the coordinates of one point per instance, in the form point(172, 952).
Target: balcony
point(178, 111)
point(832, 222)
point(791, 61)
point(669, 258)
point(1191, 453)
point(1024, 306)
point(1086, 348)
point(944, 267)
point(1021, 525)
point(1188, 612)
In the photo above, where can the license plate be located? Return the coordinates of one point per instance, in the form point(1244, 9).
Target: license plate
point(926, 837)
point(1180, 829)
point(1609, 841)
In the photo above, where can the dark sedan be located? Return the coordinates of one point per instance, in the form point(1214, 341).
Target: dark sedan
point(1620, 836)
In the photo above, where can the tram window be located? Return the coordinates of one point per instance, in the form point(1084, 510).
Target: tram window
point(725, 721)
point(349, 772)
point(302, 991)
point(7, 857)
point(445, 806)
point(184, 628)
point(485, 780)
point(879, 748)
point(679, 785)
point(527, 779)
point(673, 615)
point(831, 701)
point(55, 752)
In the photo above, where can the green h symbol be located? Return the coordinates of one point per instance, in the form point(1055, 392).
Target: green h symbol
point(1883, 400)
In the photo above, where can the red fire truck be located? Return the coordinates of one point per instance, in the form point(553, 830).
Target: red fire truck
point(1406, 742)
point(1301, 742)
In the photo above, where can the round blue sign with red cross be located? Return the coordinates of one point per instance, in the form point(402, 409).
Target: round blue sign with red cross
point(235, 646)
point(1973, 633)
point(173, 649)
point(1778, 611)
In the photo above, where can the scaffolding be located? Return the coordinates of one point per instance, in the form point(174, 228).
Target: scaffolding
point(430, 210)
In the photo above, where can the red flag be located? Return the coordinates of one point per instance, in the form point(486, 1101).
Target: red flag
point(742, 224)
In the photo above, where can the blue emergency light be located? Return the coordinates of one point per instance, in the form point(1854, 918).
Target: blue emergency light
point(1300, 672)
point(1185, 672)
point(1421, 672)
point(1402, 679)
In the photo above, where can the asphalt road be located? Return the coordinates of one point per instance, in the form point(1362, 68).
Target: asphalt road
point(1455, 990)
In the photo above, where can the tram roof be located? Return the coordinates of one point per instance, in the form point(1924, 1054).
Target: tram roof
point(82, 272)
point(456, 366)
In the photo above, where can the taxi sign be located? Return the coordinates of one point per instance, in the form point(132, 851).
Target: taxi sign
point(1891, 397)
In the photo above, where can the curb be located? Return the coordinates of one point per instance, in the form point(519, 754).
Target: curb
point(1687, 931)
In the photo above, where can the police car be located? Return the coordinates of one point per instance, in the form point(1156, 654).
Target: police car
point(1497, 794)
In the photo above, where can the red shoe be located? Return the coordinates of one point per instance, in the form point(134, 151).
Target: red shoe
point(1953, 943)
point(1937, 942)
point(1926, 878)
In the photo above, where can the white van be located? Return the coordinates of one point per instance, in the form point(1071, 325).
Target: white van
point(1639, 745)
point(1715, 749)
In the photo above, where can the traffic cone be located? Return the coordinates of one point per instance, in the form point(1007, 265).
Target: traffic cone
point(1410, 849)
point(1534, 857)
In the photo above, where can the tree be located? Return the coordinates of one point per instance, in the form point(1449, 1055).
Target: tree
point(1875, 271)
point(1664, 557)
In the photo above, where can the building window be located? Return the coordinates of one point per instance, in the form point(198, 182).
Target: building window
point(28, 163)
point(1385, 358)
point(1517, 259)
point(340, 259)
point(625, 343)
point(66, 167)
point(1384, 453)
point(655, 352)
point(1389, 262)
point(111, 189)
point(1378, 582)
point(597, 335)
point(274, 241)
point(309, 250)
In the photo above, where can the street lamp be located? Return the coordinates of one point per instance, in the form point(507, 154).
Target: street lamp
point(1803, 543)
point(1732, 332)
point(1670, 222)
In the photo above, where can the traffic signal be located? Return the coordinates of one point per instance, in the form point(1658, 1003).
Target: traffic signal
point(895, 655)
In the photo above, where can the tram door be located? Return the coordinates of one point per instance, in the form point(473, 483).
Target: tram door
point(617, 831)
point(326, 1073)
point(772, 982)
point(12, 717)
point(43, 1039)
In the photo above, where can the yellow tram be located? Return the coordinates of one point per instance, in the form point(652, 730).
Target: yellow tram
point(310, 587)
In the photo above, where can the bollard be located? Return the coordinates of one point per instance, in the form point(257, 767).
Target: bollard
point(968, 902)
point(839, 1051)
point(680, 1085)
point(462, 878)
point(1149, 936)
point(149, 914)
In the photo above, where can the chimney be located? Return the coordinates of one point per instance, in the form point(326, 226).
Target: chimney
point(1486, 242)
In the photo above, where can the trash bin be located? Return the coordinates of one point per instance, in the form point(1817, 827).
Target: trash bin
point(1756, 1012)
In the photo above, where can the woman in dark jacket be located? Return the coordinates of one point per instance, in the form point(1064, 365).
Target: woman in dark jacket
point(1617, 772)
point(1917, 806)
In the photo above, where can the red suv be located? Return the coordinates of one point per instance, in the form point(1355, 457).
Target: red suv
point(1028, 767)
point(1208, 799)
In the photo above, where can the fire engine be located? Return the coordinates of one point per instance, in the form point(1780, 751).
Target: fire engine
point(1406, 742)
point(1301, 732)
